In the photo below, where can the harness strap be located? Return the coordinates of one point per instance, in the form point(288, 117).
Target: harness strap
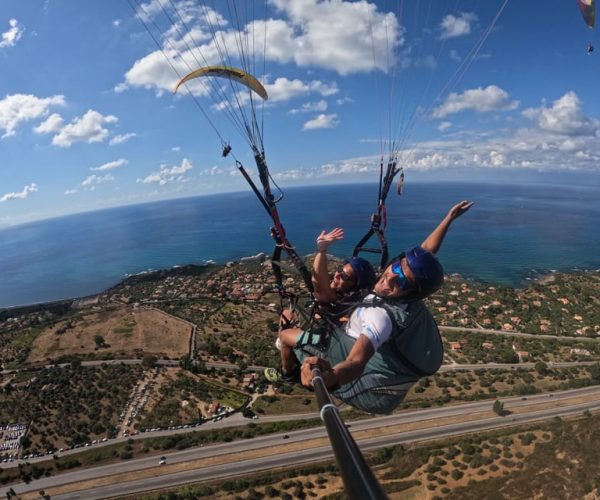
point(379, 219)
point(278, 231)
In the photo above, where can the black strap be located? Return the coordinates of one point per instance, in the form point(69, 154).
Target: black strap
point(277, 231)
point(385, 182)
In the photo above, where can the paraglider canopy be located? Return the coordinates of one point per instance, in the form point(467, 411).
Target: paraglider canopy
point(226, 72)
point(588, 11)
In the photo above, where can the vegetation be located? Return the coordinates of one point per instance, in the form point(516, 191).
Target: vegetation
point(68, 406)
point(444, 387)
point(558, 304)
point(74, 405)
point(532, 462)
point(499, 408)
point(194, 390)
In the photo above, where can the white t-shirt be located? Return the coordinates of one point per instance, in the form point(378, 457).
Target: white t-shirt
point(374, 322)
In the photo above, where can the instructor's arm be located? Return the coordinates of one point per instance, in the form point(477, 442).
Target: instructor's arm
point(345, 371)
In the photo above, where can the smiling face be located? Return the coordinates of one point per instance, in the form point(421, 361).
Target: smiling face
point(397, 281)
point(343, 279)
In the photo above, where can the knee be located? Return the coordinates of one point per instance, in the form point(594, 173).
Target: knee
point(288, 336)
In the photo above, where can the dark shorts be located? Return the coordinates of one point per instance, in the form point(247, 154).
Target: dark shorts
point(371, 392)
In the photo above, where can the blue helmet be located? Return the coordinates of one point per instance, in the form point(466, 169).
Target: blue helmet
point(364, 272)
point(427, 269)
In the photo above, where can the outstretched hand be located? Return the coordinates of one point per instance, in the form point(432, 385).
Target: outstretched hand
point(326, 239)
point(459, 209)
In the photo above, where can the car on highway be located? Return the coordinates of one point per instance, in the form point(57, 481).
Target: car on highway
point(162, 461)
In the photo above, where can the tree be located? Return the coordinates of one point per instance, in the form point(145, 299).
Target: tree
point(185, 362)
point(499, 408)
point(541, 368)
point(25, 441)
point(99, 340)
point(149, 361)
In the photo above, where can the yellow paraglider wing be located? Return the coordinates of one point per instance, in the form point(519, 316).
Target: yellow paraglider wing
point(226, 72)
point(588, 11)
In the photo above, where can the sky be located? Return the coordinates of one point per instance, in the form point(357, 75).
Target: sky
point(497, 91)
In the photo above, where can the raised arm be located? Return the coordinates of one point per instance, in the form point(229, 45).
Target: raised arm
point(433, 242)
point(320, 274)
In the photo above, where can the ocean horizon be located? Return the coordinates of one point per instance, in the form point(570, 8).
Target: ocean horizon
point(510, 235)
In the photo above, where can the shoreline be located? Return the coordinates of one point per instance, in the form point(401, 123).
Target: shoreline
point(540, 277)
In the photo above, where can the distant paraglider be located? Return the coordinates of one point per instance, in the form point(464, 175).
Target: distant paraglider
point(588, 12)
point(226, 72)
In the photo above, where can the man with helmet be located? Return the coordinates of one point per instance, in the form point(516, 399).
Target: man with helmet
point(390, 340)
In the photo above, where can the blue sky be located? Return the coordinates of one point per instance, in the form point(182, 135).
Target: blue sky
point(88, 119)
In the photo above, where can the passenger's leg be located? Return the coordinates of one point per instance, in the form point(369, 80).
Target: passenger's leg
point(288, 338)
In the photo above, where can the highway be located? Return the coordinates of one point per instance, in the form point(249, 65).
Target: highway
point(304, 446)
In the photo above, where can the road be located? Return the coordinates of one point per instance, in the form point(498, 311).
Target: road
point(303, 446)
point(533, 336)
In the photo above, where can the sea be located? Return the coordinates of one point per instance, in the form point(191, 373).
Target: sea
point(511, 235)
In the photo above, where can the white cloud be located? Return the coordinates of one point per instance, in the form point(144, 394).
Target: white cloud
point(70, 191)
point(426, 62)
point(283, 89)
point(216, 171)
point(497, 159)
point(444, 126)
point(453, 26)
point(509, 149)
point(110, 165)
point(88, 128)
point(319, 34)
point(21, 195)
point(491, 98)
point(322, 121)
point(17, 108)
point(455, 56)
point(121, 138)
point(310, 107)
point(168, 174)
point(343, 100)
point(153, 72)
point(50, 125)
point(116, 23)
point(13, 35)
point(92, 180)
point(309, 33)
point(564, 117)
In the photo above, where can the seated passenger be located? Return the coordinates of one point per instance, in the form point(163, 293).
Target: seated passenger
point(390, 341)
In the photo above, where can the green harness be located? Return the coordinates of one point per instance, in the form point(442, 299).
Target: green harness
point(414, 350)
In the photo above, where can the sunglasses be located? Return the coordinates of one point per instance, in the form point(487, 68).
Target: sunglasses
point(345, 276)
point(403, 282)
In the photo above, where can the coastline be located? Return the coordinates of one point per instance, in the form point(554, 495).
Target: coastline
point(510, 238)
point(541, 278)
